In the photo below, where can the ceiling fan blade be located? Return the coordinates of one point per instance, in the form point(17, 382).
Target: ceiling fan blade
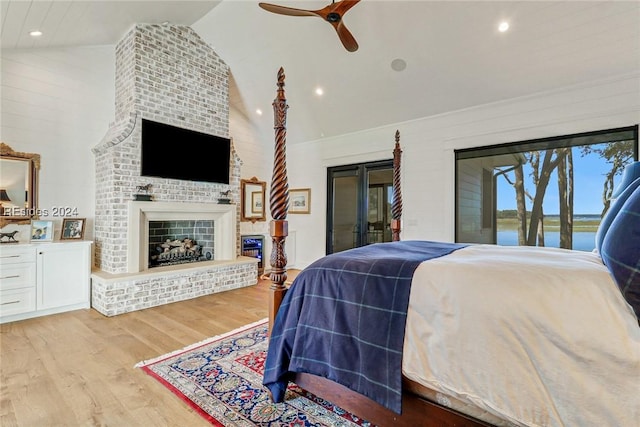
point(283, 10)
point(343, 6)
point(347, 39)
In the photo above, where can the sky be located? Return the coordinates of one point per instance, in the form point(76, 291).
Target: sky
point(589, 175)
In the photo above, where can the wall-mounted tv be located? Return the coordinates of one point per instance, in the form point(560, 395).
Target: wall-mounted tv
point(178, 153)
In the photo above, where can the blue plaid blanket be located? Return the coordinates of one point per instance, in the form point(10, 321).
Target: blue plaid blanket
point(344, 319)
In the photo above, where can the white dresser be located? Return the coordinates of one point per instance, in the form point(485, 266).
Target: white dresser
point(44, 278)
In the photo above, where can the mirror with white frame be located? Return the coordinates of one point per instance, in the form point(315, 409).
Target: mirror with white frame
point(253, 200)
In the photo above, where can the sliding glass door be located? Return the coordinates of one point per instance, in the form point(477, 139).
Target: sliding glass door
point(359, 205)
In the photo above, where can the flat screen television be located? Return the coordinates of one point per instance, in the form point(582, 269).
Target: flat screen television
point(178, 153)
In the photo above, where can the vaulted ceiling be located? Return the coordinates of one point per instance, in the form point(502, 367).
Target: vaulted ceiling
point(87, 22)
point(454, 54)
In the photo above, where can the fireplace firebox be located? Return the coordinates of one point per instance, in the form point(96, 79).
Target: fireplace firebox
point(178, 242)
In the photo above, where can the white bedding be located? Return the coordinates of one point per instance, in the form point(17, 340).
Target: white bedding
point(536, 336)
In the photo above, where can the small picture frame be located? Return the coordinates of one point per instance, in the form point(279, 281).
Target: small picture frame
point(300, 201)
point(41, 231)
point(256, 202)
point(72, 229)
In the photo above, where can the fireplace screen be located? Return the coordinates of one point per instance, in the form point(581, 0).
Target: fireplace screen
point(179, 242)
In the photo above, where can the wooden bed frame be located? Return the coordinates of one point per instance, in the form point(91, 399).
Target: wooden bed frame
point(416, 411)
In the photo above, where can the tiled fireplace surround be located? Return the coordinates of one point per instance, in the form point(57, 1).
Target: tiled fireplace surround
point(167, 74)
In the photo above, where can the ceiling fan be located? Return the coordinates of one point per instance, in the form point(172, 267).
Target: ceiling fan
point(332, 13)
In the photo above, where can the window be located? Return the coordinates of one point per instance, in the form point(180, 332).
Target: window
point(547, 192)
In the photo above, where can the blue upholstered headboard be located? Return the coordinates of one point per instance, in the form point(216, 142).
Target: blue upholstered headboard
point(618, 238)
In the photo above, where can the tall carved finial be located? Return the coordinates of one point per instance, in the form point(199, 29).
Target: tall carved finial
point(396, 206)
point(279, 203)
point(279, 195)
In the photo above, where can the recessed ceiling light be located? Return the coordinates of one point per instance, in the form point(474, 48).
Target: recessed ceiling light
point(35, 33)
point(319, 91)
point(398, 64)
point(504, 26)
point(259, 112)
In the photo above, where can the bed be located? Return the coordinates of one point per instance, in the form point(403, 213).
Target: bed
point(442, 334)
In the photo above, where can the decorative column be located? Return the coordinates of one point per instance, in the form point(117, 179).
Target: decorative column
point(279, 203)
point(396, 206)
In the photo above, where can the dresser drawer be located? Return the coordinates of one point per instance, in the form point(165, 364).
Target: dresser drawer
point(17, 301)
point(16, 254)
point(16, 276)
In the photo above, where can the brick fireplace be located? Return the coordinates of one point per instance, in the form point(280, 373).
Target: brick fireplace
point(167, 74)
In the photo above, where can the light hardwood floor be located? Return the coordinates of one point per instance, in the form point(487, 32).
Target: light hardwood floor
point(77, 368)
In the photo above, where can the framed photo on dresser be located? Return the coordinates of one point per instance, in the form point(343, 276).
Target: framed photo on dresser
point(41, 231)
point(72, 228)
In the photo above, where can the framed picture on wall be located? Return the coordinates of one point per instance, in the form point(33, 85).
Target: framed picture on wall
point(300, 201)
point(41, 231)
point(256, 202)
point(72, 228)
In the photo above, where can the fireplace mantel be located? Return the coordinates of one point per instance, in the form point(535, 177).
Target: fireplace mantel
point(140, 213)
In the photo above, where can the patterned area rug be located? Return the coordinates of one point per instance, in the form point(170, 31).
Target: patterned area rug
point(221, 378)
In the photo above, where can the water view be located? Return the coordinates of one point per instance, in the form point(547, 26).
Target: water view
point(584, 232)
point(582, 241)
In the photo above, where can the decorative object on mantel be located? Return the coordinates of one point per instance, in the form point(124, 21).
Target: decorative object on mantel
point(224, 199)
point(9, 237)
point(146, 197)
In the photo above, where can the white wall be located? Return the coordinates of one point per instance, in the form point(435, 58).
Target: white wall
point(428, 151)
point(58, 103)
point(256, 156)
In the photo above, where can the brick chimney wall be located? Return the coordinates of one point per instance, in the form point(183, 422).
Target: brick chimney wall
point(167, 74)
